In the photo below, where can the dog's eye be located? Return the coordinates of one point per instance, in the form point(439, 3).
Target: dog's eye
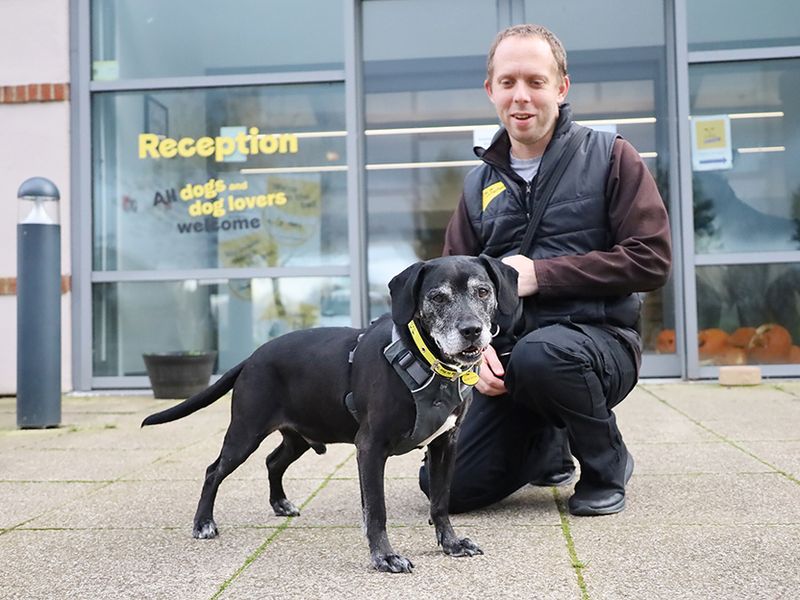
point(438, 297)
point(483, 292)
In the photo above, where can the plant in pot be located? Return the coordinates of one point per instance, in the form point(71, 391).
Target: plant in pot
point(175, 361)
point(179, 374)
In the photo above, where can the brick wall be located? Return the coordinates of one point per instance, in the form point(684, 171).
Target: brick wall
point(34, 92)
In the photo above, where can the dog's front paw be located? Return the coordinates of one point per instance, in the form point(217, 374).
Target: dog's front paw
point(205, 530)
point(284, 508)
point(392, 563)
point(464, 547)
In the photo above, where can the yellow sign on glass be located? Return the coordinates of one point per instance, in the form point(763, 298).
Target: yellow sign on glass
point(711, 143)
point(710, 134)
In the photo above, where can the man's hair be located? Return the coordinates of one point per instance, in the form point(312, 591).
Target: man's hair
point(529, 30)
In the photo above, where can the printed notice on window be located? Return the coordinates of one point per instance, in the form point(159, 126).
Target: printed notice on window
point(711, 143)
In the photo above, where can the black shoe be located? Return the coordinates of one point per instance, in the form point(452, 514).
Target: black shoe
point(601, 502)
point(555, 479)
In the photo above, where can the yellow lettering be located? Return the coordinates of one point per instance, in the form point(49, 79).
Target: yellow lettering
point(288, 143)
point(268, 144)
point(220, 147)
point(209, 189)
point(219, 208)
point(195, 208)
point(168, 148)
point(186, 192)
point(186, 147)
point(254, 140)
point(225, 147)
point(148, 145)
point(205, 147)
point(241, 143)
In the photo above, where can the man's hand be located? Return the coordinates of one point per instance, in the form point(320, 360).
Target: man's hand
point(527, 284)
point(491, 373)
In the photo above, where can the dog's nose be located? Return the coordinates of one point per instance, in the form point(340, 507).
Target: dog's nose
point(471, 331)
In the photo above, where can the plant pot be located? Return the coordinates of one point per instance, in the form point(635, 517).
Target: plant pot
point(179, 374)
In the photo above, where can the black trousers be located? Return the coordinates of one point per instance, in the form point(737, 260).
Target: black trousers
point(563, 381)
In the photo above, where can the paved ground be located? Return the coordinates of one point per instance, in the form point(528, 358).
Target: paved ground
point(102, 509)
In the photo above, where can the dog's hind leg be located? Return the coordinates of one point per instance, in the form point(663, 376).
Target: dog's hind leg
point(240, 442)
point(290, 449)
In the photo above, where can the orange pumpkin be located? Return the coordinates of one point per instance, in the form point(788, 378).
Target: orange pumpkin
point(665, 341)
point(731, 355)
point(794, 354)
point(711, 342)
point(770, 344)
point(742, 336)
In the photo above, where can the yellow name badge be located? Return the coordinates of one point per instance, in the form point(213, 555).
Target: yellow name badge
point(492, 192)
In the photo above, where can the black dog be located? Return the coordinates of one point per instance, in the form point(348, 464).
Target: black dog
point(402, 383)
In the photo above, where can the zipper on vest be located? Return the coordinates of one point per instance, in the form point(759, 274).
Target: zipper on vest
point(528, 199)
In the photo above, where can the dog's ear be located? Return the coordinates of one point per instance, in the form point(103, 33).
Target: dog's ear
point(404, 290)
point(504, 279)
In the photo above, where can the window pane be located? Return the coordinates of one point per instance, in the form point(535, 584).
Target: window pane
point(152, 38)
point(753, 205)
point(219, 177)
point(426, 108)
point(734, 303)
point(415, 169)
point(233, 317)
point(715, 25)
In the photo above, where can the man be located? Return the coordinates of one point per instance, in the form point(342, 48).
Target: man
point(603, 237)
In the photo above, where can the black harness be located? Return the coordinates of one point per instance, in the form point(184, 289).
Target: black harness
point(435, 397)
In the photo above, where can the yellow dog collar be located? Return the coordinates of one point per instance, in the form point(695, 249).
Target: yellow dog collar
point(469, 376)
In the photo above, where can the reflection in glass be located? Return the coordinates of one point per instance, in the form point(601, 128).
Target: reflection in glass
point(742, 24)
point(219, 177)
point(415, 169)
point(233, 317)
point(749, 313)
point(755, 205)
point(617, 83)
point(153, 38)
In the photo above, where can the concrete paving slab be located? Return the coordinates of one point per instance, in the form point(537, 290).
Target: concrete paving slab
point(758, 413)
point(191, 462)
point(783, 455)
point(12, 438)
point(405, 466)
point(670, 458)
point(23, 501)
point(690, 562)
point(75, 465)
point(152, 564)
point(520, 562)
point(720, 499)
point(704, 517)
point(641, 417)
point(156, 504)
point(790, 386)
point(339, 504)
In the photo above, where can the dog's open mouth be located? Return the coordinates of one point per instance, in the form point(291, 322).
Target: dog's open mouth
point(470, 354)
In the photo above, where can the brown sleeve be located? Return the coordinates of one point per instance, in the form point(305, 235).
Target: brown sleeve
point(460, 236)
point(640, 257)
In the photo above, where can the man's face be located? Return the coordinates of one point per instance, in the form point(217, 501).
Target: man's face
point(526, 90)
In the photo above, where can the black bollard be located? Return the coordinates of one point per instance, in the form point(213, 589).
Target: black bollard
point(38, 305)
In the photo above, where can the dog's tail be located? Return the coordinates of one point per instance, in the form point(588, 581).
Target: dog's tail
point(200, 400)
